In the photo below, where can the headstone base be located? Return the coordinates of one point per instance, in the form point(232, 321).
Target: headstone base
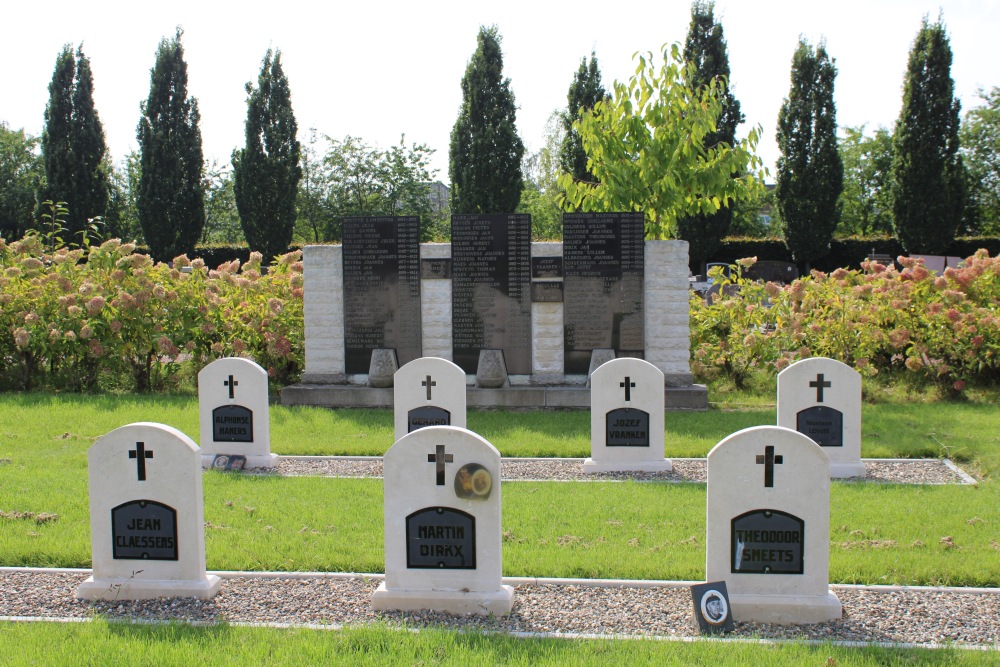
point(590, 466)
point(261, 461)
point(785, 609)
point(484, 603)
point(844, 470)
point(147, 589)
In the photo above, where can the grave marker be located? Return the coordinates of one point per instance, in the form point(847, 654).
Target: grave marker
point(768, 530)
point(429, 391)
point(234, 412)
point(821, 398)
point(442, 525)
point(626, 418)
point(146, 516)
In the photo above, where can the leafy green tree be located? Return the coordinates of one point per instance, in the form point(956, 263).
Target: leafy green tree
point(21, 173)
point(541, 169)
point(928, 176)
point(170, 198)
point(222, 218)
point(73, 146)
point(267, 172)
point(866, 201)
point(646, 146)
point(486, 151)
point(980, 139)
point(810, 173)
point(585, 91)
point(757, 217)
point(705, 49)
point(314, 217)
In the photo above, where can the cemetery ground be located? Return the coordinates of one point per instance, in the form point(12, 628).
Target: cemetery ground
point(881, 533)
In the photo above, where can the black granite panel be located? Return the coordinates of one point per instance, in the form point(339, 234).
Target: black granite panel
point(603, 266)
point(381, 289)
point(491, 289)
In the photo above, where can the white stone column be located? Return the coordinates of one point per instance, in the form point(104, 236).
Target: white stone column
point(668, 334)
point(547, 340)
point(323, 310)
point(435, 306)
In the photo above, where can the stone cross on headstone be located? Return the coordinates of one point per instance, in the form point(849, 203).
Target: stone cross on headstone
point(627, 385)
point(428, 391)
point(428, 383)
point(768, 459)
point(140, 455)
point(441, 459)
point(232, 384)
point(819, 384)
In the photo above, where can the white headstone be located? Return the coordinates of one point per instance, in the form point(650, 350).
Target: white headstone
point(147, 521)
point(768, 526)
point(232, 404)
point(626, 418)
point(442, 525)
point(821, 398)
point(429, 391)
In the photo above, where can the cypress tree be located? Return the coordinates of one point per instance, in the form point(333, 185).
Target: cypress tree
point(267, 171)
point(705, 50)
point(810, 173)
point(585, 91)
point(928, 183)
point(170, 198)
point(486, 151)
point(73, 147)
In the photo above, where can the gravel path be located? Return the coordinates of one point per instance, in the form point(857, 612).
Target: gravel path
point(918, 471)
point(912, 616)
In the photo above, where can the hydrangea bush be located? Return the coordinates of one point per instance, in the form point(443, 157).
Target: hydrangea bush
point(108, 316)
point(939, 329)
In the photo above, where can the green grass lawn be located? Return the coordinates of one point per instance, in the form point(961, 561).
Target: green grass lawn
point(880, 534)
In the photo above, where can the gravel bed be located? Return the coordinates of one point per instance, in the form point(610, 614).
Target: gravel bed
point(922, 471)
point(912, 616)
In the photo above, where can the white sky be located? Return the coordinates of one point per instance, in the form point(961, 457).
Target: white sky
point(377, 70)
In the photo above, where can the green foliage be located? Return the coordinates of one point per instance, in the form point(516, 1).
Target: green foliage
point(485, 151)
point(170, 198)
point(646, 146)
point(118, 319)
point(928, 176)
point(222, 218)
point(266, 172)
point(314, 218)
point(585, 91)
point(866, 201)
point(73, 147)
point(942, 331)
point(540, 197)
point(705, 49)
point(980, 140)
point(21, 174)
point(810, 173)
point(756, 217)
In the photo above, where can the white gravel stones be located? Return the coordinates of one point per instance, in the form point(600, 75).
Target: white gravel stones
point(905, 616)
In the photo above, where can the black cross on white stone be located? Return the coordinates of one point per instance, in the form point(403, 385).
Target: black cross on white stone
point(140, 455)
point(819, 384)
point(627, 385)
point(440, 458)
point(232, 384)
point(428, 383)
point(768, 459)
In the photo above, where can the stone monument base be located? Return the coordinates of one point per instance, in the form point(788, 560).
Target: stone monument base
point(847, 469)
point(253, 460)
point(147, 589)
point(785, 609)
point(590, 466)
point(523, 397)
point(484, 603)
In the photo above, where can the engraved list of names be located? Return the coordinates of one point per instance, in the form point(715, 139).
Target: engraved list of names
point(603, 264)
point(491, 289)
point(381, 289)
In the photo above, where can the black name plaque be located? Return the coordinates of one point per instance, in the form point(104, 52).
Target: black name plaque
point(603, 266)
point(428, 415)
point(441, 538)
point(767, 542)
point(381, 289)
point(823, 424)
point(144, 530)
point(627, 427)
point(232, 423)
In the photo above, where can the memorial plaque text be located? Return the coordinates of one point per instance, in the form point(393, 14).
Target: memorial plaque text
point(627, 427)
point(603, 265)
point(232, 423)
point(381, 289)
point(441, 537)
point(824, 425)
point(767, 542)
point(491, 289)
point(144, 530)
point(428, 415)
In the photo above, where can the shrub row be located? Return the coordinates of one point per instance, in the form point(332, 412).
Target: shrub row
point(106, 316)
point(939, 329)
